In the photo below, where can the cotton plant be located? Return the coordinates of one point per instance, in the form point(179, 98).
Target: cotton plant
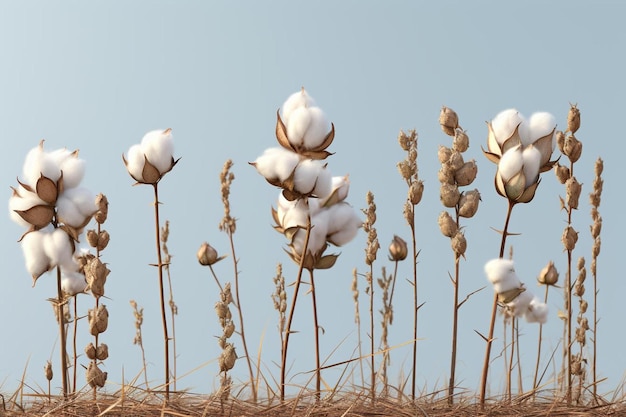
point(522, 150)
point(147, 163)
point(311, 211)
point(53, 207)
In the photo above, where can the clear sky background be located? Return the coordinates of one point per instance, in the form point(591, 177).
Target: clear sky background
point(96, 76)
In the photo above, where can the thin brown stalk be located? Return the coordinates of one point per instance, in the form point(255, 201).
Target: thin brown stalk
point(74, 332)
point(494, 309)
point(173, 307)
point(62, 335)
point(415, 304)
point(455, 324)
point(318, 372)
point(159, 265)
point(370, 279)
point(292, 308)
point(540, 337)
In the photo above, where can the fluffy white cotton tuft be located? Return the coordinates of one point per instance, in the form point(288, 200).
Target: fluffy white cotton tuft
point(73, 283)
point(294, 101)
point(135, 162)
point(532, 162)
point(318, 129)
point(505, 123)
point(537, 312)
point(37, 261)
point(520, 304)
point(297, 125)
point(83, 199)
point(343, 224)
point(73, 171)
point(511, 163)
point(58, 247)
point(158, 147)
point(501, 273)
point(22, 200)
point(312, 177)
point(276, 163)
point(541, 124)
point(317, 238)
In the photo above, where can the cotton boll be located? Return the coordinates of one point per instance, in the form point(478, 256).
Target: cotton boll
point(58, 247)
point(343, 225)
point(292, 213)
point(532, 162)
point(519, 306)
point(37, 261)
point(323, 185)
point(541, 124)
point(340, 186)
point(73, 171)
point(83, 199)
point(511, 163)
point(317, 238)
point(68, 212)
point(537, 312)
point(38, 163)
point(318, 128)
point(276, 163)
point(296, 100)
point(297, 125)
point(21, 200)
point(158, 146)
point(135, 162)
point(505, 123)
point(501, 273)
point(73, 283)
point(307, 174)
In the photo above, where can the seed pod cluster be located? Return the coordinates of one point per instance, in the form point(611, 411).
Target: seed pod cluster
point(222, 310)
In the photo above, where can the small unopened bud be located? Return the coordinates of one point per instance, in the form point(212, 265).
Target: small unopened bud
point(90, 351)
point(48, 370)
point(444, 154)
point(466, 174)
point(583, 306)
point(468, 203)
point(562, 173)
point(580, 336)
point(459, 244)
point(449, 195)
point(569, 238)
point(572, 148)
point(573, 119)
point(103, 240)
point(398, 249)
point(447, 225)
point(415, 192)
point(404, 141)
point(580, 264)
point(103, 208)
point(548, 275)
point(207, 255)
point(102, 352)
point(461, 141)
point(572, 189)
point(92, 238)
point(599, 167)
point(448, 120)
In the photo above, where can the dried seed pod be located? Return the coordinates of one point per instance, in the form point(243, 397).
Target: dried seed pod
point(569, 238)
point(90, 351)
point(398, 249)
point(102, 352)
point(461, 141)
point(415, 192)
point(456, 160)
point(573, 119)
point(96, 275)
point(103, 208)
point(95, 376)
point(444, 154)
point(92, 238)
point(446, 175)
point(207, 255)
point(448, 120)
point(98, 320)
point(595, 248)
point(580, 336)
point(583, 306)
point(562, 173)
point(560, 140)
point(449, 195)
point(581, 263)
point(447, 225)
point(229, 329)
point(572, 148)
point(47, 369)
point(221, 342)
point(459, 244)
point(468, 203)
point(466, 174)
point(221, 309)
point(103, 240)
point(577, 368)
point(579, 289)
point(405, 169)
point(548, 275)
point(573, 189)
point(227, 358)
point(404, 141)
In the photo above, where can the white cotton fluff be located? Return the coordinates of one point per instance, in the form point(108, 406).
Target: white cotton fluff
point(501, 273)
point(504, 124)
point(135, 161)
point(318, 129)
point(22, 200)
point(541, 124)
point(537, 312)
point(532, 162)
point(73, 283)
point(297, 124)
point(312, 177)
point(37, 261)
point(83, 199)
point(38, 163)
point(296, 100)
point(276, 163)
point(340, 186)
point(58, 248)
point(317, 238)
point(292, 213)
point(519, 305)
point(511, 163)
point(343, 224)
point(158, 147)
point(73, 171)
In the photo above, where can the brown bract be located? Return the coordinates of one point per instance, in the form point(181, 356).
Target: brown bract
point(318, 152)
point(150, 174)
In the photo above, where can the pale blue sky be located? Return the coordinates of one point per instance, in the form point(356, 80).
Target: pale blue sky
point(96, 76)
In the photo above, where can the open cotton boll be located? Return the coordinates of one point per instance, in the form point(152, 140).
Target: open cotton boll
point(343, 224)
point(135, 162)
point(541, 124)
point(505, 123)
point(537, 312)
point(158, 146)
point(276, 163)
point(520, 304)
point(37, 261)
point(68, 212)
point(294, 101)
point(317, 238)
point(73, 171)
point(38, 163)
point(312, 177)
point(297, 125)
point(532, 161)
point(73, 283)
point(501, 273)
point(339, 186)
point(292, 213)
point(317, 130)
point(511, 163)
point(21, 200)
point(83, 199)
point(58, 247)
